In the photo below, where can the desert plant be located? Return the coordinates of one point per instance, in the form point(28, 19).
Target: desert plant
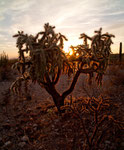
point(3, 65)
point(3, 59)
point(95, 120)
point(47, 60)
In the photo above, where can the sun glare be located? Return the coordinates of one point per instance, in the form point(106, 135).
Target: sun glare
point(67, 45)
point(70, 51)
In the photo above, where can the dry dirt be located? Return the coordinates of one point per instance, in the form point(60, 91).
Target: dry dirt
point(33, 122)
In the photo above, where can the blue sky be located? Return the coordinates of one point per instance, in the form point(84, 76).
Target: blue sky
point(71, 17)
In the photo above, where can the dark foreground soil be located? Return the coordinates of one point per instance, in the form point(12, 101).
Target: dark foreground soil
point(33, 123)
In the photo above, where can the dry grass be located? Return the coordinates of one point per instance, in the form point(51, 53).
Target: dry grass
point(5, 66)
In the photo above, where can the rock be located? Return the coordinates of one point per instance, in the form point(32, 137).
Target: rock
point(82, 142)
point(107, 142)
point(53, 126)
point(35, 126)
point(31, 119)
point(49, 111)
point(41, 148)
point(56, 120)
point(29, 110)
point(25, 138)
point(56, 133)
point(21, 144)
point(8, 143)
point(56, 130)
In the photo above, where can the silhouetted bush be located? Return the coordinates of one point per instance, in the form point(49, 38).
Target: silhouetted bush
point(3, 59)
point(4, 66)
point(95, 125)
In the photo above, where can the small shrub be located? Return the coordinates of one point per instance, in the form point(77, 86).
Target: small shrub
point(3, 66)
point(95, 125)
point(12, 61)
point(3, 59)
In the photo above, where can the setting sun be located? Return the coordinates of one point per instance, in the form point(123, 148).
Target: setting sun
point(70, 51)
point(67, 45)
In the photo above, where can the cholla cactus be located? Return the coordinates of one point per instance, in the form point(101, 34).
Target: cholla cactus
point(47, 60)
point(46, 56)
point(94, 55)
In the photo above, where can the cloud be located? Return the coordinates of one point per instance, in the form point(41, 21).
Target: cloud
point(21, 5)
point(71, 17)
point(118, 30)
point(1, 17)
point(14, 5)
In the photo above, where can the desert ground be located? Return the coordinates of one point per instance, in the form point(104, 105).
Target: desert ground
point(33, 123)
